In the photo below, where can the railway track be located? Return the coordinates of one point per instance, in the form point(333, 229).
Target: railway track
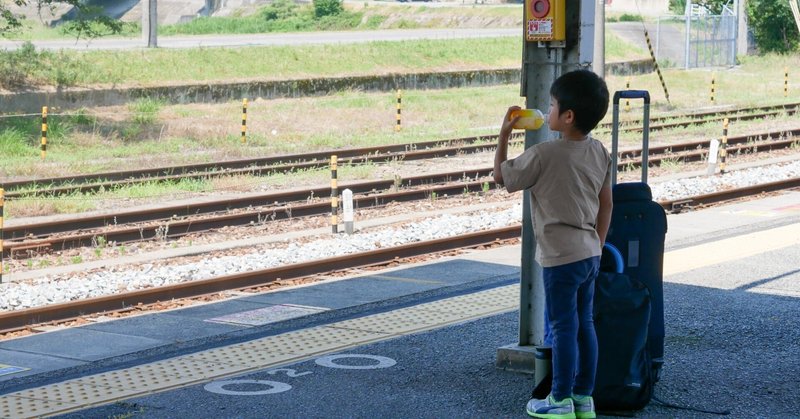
point(14, 321)
point(59, 186)
point(179, 220)
point(666, 122)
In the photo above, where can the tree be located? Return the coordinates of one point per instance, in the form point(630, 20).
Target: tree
point(773, 25)
point(88, 21)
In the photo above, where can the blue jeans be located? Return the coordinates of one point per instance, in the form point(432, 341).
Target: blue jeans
point(569, 292)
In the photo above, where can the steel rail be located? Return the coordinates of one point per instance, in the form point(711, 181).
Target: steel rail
point(20, 319)
point(281, 164)
point(174, 228)
point(732, 114)
point(678, 205)
point(259, 166)
point(172, 221)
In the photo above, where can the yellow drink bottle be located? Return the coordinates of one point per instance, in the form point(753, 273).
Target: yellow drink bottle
point(528, 118)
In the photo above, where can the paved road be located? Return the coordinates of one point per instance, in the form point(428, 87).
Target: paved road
point(667, 39)
point(300, 38)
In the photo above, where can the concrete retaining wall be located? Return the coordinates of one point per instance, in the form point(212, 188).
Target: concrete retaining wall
point(32, 102)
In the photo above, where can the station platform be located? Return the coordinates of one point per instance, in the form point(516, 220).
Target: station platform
point(421, 340)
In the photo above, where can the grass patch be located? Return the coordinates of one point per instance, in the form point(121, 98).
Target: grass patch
point(158, 66)
point(617, 49)
point(145, 110)
point(26, 66)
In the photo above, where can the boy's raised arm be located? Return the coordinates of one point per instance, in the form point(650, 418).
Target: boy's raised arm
point(501, 154)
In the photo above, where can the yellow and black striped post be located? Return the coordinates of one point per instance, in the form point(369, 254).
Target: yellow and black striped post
point(723, 152)
point(2, 203)
point(399, 106)
point(713, 86)
point(244, 120)
point(44, 132)
point(627, 87)
point(334, 197)
point(655, 65)
point(785, 81)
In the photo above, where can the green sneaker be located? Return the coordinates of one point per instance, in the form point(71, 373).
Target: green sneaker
point(549, 408)
point(584, 407)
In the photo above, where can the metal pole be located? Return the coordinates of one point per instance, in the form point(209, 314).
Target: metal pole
point(688, 17)
point(149, 23)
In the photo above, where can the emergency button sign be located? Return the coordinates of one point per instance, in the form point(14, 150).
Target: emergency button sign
point(540, 27)
point(544, 20)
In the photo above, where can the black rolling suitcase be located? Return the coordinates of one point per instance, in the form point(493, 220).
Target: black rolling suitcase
point(638, 229)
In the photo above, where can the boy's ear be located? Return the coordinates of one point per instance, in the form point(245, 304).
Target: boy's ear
point(569, 116)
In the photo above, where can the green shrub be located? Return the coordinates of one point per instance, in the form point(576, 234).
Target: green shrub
point(630, 18)
point(279, 10)
point(324, 8)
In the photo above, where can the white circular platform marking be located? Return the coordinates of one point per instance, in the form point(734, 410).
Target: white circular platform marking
point(329, 361)
point(219, 387)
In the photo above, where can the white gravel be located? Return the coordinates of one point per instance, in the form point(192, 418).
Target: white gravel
point(58, 289)
point(687, 187)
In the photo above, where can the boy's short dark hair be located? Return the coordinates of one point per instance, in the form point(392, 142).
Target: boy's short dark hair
point(585, 94)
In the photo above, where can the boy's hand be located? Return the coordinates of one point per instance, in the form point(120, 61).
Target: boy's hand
point(508, 126)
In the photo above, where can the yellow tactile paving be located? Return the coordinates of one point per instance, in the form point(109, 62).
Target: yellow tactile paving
point(261, 353)
point(727, 250)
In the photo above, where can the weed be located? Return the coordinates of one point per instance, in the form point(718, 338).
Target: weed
point(76, 259)
point(485, 187)
point(672, 164)
point(43, 263)
point(145, 110)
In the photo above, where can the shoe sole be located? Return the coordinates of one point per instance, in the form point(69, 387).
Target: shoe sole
point(549, 416)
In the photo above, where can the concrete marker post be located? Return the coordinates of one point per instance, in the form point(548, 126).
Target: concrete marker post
point(713, 150)
point(347, 210)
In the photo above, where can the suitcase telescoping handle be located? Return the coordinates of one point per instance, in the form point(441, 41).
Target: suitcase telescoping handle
point(630, 94)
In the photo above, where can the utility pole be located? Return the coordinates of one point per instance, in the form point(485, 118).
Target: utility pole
point(599, 61)
point(542, 62)
point(149, 23)
point(741, 28)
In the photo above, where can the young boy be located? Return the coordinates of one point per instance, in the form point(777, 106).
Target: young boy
point(570, 184)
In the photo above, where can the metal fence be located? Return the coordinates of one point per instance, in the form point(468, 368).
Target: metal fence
point(708, 40)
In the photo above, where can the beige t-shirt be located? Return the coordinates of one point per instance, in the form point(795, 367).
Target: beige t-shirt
point(564, 178)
